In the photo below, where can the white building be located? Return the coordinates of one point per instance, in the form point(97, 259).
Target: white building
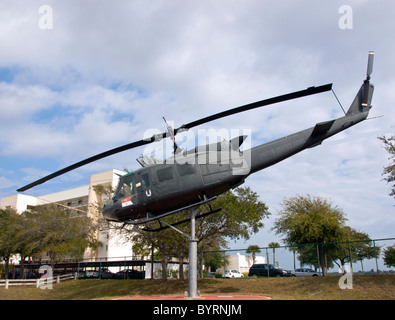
point(81, 197)
point(243, 263)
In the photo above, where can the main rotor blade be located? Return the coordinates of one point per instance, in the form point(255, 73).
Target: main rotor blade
point(158, 137)
point(258, 104)
point(89, 160)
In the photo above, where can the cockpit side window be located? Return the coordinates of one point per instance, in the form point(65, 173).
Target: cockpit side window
point(165, 174)
point(186, 169)
point(145, 180)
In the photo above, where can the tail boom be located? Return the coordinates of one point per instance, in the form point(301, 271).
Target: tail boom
point(268, 154)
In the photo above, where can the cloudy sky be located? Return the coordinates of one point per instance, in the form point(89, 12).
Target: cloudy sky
point(80, 77)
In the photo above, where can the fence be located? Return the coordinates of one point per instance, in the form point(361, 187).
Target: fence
point(364, 257)
point(114, 267)
point(44, 282)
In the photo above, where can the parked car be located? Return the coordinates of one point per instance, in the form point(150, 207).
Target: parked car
point(130, 274)
point(106, 274)
point(102, 274)
point(304, 272)
point(233, 274)
point(265, 270)
point(210, 275)
point(16, 274)
point(91, 274)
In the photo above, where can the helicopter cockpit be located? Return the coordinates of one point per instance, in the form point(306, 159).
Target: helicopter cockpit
point(125, 188)
point(130, 184)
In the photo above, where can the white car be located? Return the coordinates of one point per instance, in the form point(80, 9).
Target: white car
point(304, 272)
point(92, 274)
point(233, 274)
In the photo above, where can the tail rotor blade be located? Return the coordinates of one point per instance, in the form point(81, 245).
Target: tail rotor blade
point(366, 86)
point(370, 64)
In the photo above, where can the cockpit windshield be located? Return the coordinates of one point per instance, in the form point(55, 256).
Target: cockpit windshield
point(125, 187)
point(132, 183)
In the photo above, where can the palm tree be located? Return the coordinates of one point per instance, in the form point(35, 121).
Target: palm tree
point(274, 245)
point(253, 249)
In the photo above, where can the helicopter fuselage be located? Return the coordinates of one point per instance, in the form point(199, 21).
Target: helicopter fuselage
point(180, 181)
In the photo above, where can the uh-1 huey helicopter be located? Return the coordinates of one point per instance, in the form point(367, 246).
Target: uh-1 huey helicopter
point(195, 177)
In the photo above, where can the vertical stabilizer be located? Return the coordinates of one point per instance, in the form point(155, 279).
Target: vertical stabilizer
point(363, 99)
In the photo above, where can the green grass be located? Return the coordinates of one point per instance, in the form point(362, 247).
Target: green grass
point(318, 288)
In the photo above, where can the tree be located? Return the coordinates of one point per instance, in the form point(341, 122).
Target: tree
point(389, 171)
point(308, 256)
point(361, 247)
point(274, 245)
point(10, 225)
point(214, 258)
point(352, 247)
point(241, 216)
point(254, 249)
point(389, 256)
point(59, 232)
point(166, 241)
point(306, 220)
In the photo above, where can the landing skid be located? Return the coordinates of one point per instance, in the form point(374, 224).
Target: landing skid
point(180, 222)
point(148, 219)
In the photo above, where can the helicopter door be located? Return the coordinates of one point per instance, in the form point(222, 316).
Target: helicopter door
point(143, 187)
point(167, 181)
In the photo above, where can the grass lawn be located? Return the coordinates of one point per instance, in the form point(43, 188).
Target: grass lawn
point(318, 288)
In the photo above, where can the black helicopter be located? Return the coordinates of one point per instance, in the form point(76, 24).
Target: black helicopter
point(195, 177)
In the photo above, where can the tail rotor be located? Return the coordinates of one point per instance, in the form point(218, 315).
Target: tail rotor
point(367, 87)
point(370, 65)
point(363, 99)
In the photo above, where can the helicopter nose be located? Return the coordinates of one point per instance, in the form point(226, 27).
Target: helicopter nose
point(106, 211)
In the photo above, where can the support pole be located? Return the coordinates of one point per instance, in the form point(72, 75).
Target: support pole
point(192, 278)
point(152, 261)
point(192, 281)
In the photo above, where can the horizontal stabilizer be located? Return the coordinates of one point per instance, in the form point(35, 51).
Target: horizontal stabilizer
point(322, 127)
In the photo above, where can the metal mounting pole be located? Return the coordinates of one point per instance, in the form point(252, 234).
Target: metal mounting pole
point(192, 279)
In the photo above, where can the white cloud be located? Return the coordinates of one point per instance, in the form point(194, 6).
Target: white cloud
point(109, 71)
point(21, 102)
point(6, 183)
